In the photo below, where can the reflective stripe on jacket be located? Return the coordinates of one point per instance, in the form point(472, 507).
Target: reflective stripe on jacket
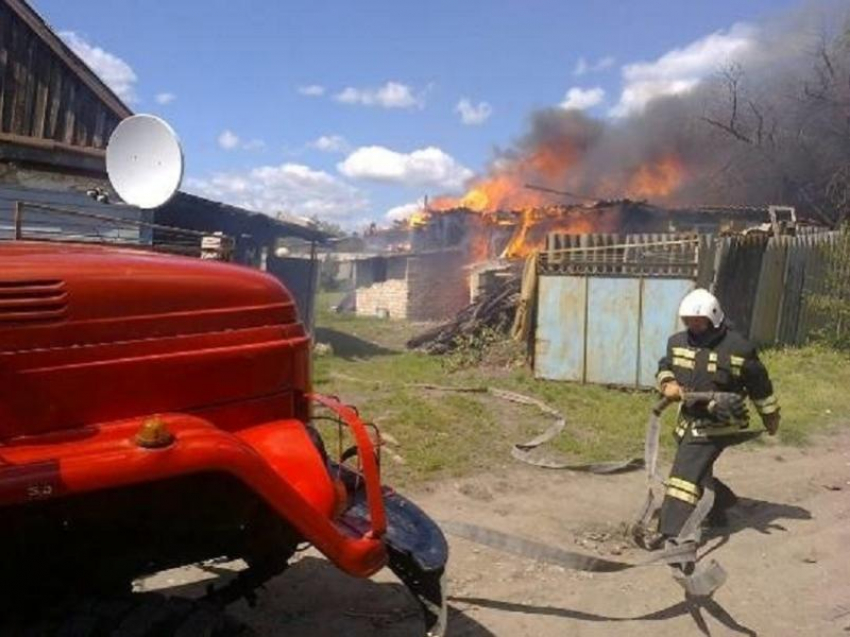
point(721, 360)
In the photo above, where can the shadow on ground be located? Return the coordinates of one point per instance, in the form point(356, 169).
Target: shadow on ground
point(315, 599)
point(692, 607)
point(759, 515)
point(348, 346)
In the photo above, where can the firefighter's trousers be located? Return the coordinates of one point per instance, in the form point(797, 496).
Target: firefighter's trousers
point(692, 471)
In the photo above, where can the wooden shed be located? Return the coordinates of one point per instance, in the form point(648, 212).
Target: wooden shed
point(56, 114)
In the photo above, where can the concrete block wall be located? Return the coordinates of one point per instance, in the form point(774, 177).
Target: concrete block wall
point(387, 299)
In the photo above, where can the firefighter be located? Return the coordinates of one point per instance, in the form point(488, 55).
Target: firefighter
point(709, 356)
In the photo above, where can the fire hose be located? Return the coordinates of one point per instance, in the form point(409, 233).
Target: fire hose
point(698, 579)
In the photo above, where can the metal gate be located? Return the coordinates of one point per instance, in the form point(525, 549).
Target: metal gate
point(607, 305)
point(605, 330)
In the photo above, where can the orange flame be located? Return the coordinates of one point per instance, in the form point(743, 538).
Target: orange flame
point(533, 213)
point(660, 179)
point(536, 223)
point(505, 188)
point(500, 192)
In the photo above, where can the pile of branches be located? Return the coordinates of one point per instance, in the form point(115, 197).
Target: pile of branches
point(493, 312)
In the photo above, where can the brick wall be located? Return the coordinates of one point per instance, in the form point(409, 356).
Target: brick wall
point(438, 286)
point(432, 287)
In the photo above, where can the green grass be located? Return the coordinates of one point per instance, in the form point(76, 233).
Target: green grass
point(449, 434)
point(811, 384)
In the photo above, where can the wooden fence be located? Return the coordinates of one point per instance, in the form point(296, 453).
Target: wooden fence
point(777, 290)
point(826, 291)
point(634, 255)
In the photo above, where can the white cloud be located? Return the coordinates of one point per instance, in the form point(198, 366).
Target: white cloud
point(583, 66)
point(312, 90)
point(330, 144)
point(390, 95)
point(580, 99)
point(471, 114)
point(400, 213)
point(291, 188)
point(429, 167)
point(115, 72)
point(680, 70)
point(165, 98)
point(228, 140)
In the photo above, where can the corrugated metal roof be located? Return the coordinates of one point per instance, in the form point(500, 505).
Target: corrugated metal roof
point(197, 213)
point(53, 224)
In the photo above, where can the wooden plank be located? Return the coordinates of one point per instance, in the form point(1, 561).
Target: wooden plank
point(814, 285)
point(737, 279)
point(791, 295)
point(42, 73)
point(721, 253)
point(98, 133)
point(840, 292)
point(807, 260)
point(29, 75)
point(5, 42)
point(705, 261)
point(768, 297)
point(70, 113)
point(81, 129)
point(48, 145)
point(13, 92)
point(54, 101)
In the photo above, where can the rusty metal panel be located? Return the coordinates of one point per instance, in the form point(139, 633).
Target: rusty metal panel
point(559, 340)
point(659, 319)
point(613, 308)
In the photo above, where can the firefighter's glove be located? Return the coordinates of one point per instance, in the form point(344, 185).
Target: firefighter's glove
point(728, 407)
point(671, 390)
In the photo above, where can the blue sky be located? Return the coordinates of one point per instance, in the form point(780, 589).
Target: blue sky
point(347, 110)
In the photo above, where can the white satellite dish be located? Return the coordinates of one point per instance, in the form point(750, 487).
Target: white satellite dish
point(144, 161)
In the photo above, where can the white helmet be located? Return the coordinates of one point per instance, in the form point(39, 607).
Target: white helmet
point(702, 303)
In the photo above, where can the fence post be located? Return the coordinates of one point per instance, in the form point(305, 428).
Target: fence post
point(19, 220)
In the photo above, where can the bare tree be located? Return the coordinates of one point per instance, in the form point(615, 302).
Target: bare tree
point(795, 134)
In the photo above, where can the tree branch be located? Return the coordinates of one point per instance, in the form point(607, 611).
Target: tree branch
point(728, 129)
point(760, 119)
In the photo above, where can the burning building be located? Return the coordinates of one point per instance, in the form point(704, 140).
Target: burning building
point(769, 127)
point(452, 251)
point(512, 234)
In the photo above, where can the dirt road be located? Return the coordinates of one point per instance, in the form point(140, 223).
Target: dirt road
point(786, 554)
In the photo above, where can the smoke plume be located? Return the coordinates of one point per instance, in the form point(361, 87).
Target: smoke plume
point(771, 124)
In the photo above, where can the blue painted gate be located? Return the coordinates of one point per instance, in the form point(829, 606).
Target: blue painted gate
point(606, 330)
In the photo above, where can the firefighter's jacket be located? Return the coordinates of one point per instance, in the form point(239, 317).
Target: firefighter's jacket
point(719, 360)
